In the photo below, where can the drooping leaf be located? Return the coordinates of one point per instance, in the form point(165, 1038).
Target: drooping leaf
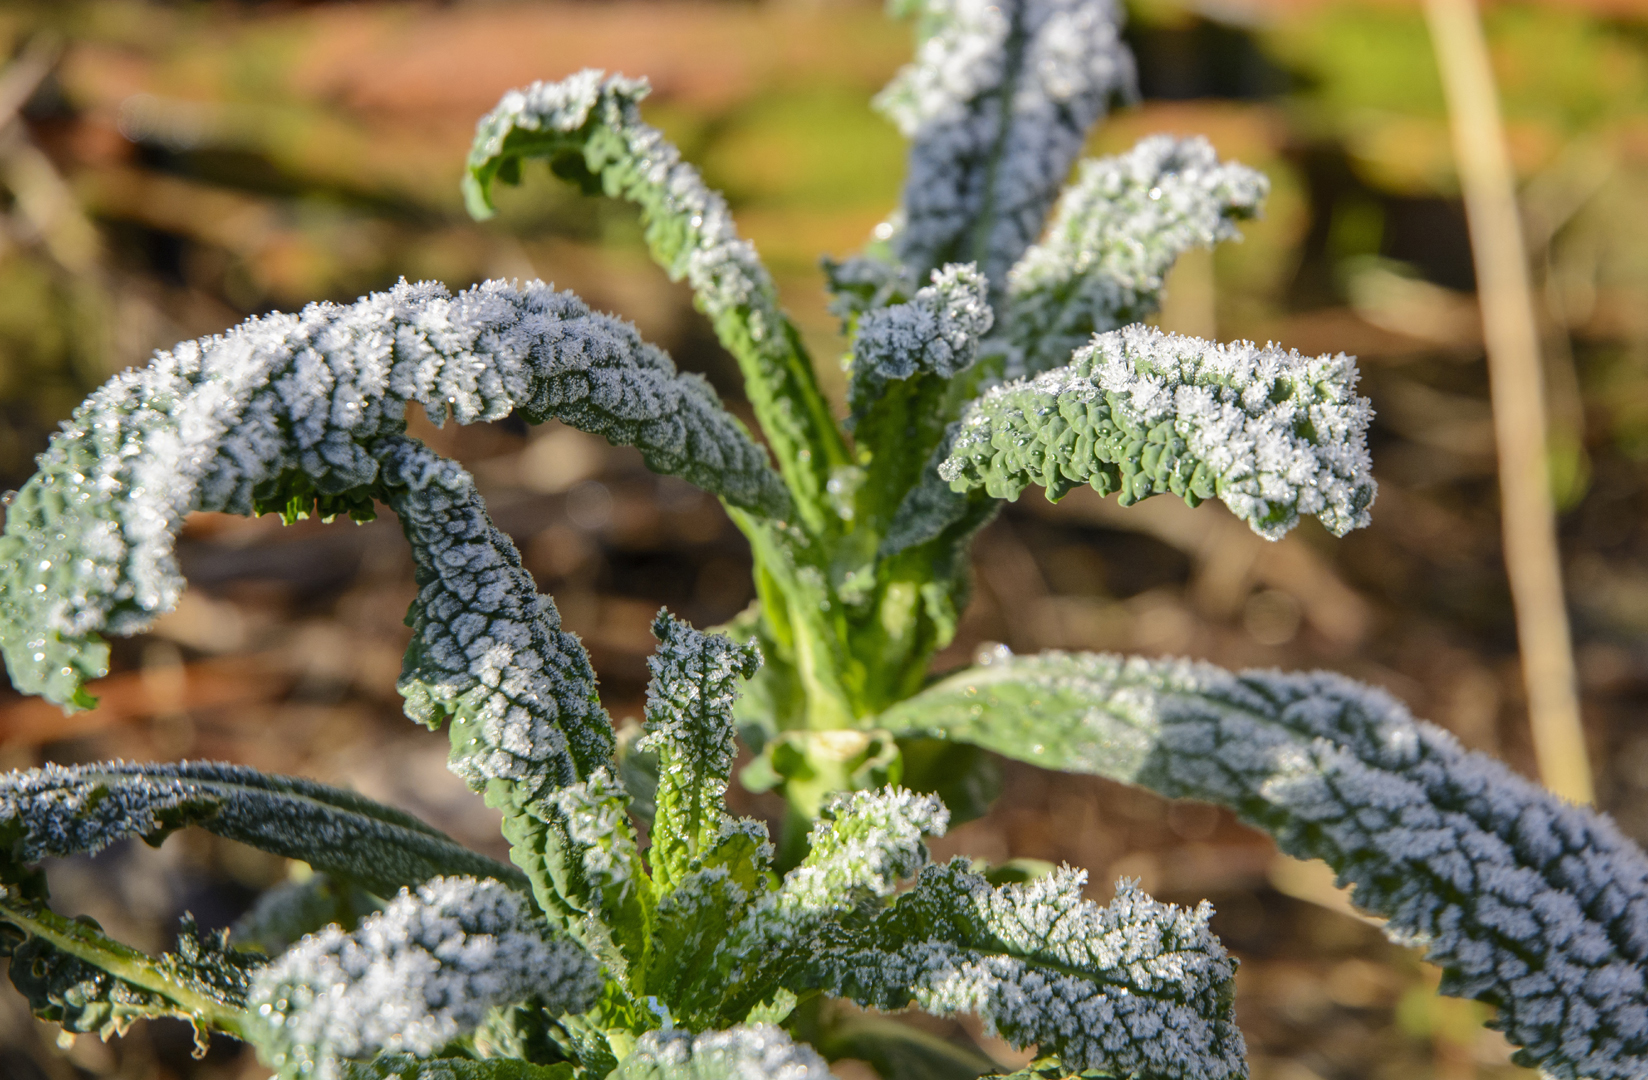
point(1137, 988)
point(277, 414)
point(74, 975)
point(747, 1052)
point(411, 978)
point(690, 727)
point(589, 128)
point(58, 810)
point(1116, 233)
point(487, 650)
point(996, 104)
point(1538, 907)
point(1273, 434)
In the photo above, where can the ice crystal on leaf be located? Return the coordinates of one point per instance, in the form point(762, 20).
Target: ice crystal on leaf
point(1117, 231)
point(862, 847)
point(413, 977)
point(1535, 906)
point(747, 1052)
point(282, 410)
point(1271, 433)
point(997, 104)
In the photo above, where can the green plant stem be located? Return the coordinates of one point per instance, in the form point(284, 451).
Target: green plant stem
point(124, 963)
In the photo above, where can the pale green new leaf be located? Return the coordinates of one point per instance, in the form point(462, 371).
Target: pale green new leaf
point(1116, 233)
point(413, 977)
point(1538, 907)
point(589, 129)
point(690, 697)
point(1137, 988)
point(746, 1052)
point(580, 849)
point(1273, 434)
point(57, 811)
point(278, 414)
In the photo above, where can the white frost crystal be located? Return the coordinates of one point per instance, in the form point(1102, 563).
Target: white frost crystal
point(1273, 434)
point(284, 406)
point(1535, 906)
point(997, 104)
point(746, 1052)
point(413, 977)
point(1116, 233)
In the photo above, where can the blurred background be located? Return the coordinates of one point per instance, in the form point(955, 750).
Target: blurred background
point(168, 169)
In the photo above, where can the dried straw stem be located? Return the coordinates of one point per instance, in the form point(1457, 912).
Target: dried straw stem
point(1529, 518)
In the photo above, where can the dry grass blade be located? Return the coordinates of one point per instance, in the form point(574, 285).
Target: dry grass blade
point(1529, 517)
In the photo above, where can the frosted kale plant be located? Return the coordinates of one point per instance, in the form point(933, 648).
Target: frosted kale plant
point(994, 343)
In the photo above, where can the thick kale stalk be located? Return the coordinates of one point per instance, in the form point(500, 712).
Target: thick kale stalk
point(1535, 906)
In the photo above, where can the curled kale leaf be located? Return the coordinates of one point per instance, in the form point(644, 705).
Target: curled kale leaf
point(1535, 906)
point(487, 650)
point(1272, 434)
point(280, 412)
point(937, 332)
point(1137, 988)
